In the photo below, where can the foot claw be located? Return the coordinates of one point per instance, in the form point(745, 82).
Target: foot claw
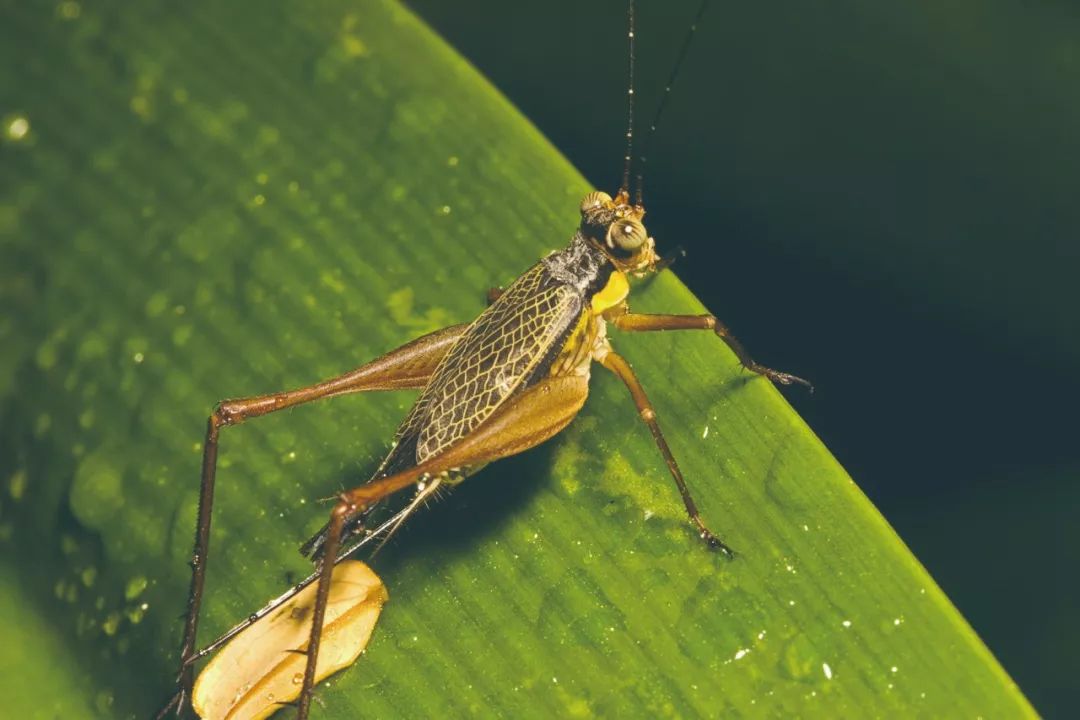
point(783, 378)
point(717, 544)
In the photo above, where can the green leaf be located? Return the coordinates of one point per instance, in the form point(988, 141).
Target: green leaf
point(229, 199)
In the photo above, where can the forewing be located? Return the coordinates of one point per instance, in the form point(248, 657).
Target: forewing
point(497, 356)
point(507, 348)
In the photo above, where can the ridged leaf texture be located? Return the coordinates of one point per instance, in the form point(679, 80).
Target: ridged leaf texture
point(206, 200)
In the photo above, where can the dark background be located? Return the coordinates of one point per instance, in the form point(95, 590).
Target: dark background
point(884, 200)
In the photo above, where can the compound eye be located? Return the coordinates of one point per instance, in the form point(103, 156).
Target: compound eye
point(627, 235)
point(594, 201)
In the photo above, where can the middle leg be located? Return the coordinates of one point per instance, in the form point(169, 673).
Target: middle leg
point(618, 365)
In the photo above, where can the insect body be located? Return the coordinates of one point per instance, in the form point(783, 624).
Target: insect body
point(495, 387)
point(544, 330)
point(502, 384)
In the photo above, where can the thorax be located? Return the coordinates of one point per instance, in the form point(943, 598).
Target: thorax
point(603, 290)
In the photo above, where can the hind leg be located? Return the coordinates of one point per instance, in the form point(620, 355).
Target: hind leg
point(409, 366)
point(522, 423)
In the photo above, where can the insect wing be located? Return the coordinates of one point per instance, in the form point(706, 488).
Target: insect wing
point(509, 345)
point(260, 668)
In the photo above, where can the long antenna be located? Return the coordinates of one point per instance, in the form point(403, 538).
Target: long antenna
point(687, 40)
point(629, 157)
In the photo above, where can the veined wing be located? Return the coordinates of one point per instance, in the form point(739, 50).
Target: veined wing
point(504, 349)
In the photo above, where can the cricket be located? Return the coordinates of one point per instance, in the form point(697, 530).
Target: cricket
point(505, 382)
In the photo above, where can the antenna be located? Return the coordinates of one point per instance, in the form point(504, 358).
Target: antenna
point(639, 192)
point(629, 157)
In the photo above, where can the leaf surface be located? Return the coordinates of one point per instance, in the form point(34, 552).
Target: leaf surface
point(223, 199)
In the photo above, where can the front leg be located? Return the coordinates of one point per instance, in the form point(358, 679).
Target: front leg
point(638, 322)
